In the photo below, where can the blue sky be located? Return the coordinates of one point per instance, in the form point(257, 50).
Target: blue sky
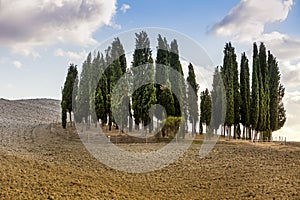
point(39, 38)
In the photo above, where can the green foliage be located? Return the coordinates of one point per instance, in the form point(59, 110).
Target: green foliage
point(218, 97)
point(83, 98)
point(192, 90)
point(142, 68)
point(164, 95)
point(281, 110)
point(205, 107)
point(245, 91)
point(69, 92)
point(264, 93)
point(274, 94)
point(255, 90)
point(228, 76)
point(171, 126)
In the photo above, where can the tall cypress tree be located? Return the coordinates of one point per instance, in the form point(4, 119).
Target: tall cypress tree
point(176, 79)
point(264, 119)
point(255, 92)
point(228, 77)
point(83, 98)
point(118, 67)
point(273, 88)
point(192, 90)
point(236, 95)
point(100, 94)
point(143, 97)
point(94, 73)
point(218, 97)
point(205, 108)
point(163, 90)
point(68, 93)
point(245, 94)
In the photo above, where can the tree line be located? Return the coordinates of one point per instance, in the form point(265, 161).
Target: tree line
point(97, 94)
point(258, 108)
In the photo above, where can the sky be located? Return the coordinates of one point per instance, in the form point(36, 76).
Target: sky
point(39, 38)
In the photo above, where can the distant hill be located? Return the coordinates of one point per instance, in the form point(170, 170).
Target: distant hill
point(28, 112)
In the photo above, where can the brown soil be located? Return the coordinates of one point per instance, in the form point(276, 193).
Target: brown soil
point(53, 164)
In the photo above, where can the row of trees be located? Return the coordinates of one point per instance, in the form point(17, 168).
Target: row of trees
point(259, 107)
point(99, 95)
point(146, 83)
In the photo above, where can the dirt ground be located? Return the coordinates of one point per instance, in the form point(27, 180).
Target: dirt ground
point(42, 161)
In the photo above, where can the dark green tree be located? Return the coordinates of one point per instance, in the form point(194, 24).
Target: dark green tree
point(164, 95)
point(177, 81)
point(273, 88)
point(255, 92)
point(69, 93)
point(144, 97)
point(192, 91)
point(281, 109)
point(100, 94)
point(264, 94)
point(228, 76)
point(218, 96)
point(83, 98)
point(245, 94)
point(205, 108)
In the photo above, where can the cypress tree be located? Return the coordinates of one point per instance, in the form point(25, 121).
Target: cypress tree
point(94, 73)
point(236, 96)
point(255, 92)
point(100, 94)
point(143, 97)
point(245, 94)
point(176, 79)
point(163, 90)
point(265, 128)
point(192, 90)
point(69, 93)
point(83, 98)
point(205, 108)
point(218, 97)
point(228, 77)
point(273, 88)
point(281, 110)
point(178, 84)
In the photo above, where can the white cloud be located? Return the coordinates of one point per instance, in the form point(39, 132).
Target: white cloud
point(246, 21)
point(72, 56)
point(31, 23)
point(17, 64)
point(245, 24)
point(125, 7)
point(291, 73)
point(292, 126)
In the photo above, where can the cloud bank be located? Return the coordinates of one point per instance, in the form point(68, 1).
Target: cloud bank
point(31, 23)
point(247, 20)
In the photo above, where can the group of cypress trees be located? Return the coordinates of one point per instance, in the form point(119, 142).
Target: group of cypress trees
point(258, 108)
point(100, 74)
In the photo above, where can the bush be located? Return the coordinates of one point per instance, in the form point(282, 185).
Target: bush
point(171, 126)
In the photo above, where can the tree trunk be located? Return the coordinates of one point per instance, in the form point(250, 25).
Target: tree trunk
point(234, 131)
point(130, 124)
point(70, 118)
point(109, 121)
point(229, 132)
